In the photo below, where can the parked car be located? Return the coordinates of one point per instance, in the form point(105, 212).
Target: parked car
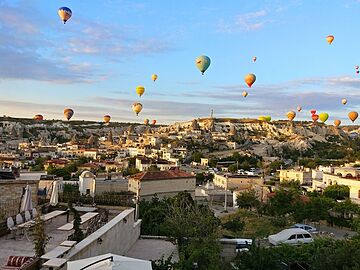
point(305, 227)
point(293, 236)
point(241, 244)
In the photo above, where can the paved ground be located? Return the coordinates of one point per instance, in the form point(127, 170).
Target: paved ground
point(153, 249)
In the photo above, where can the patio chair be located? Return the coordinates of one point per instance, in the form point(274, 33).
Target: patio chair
point(27, 216)
point(19, 219)
point(11, 226)
point(19, 263)
point(34, 213)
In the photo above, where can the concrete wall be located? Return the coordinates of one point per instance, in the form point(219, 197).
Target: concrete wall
point(102, 186)
point(236, 182)
point(117, 236)
point(303, 177)
point(11, 192)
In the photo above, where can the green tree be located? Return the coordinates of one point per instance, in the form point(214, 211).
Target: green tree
point(200, 178)
point(196, 156)
point(235, 224)
point(337, 192)
point(247, 200)
point(40, 239)
point(232, 168)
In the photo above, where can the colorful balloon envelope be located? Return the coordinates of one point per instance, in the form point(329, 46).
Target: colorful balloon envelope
point(107, 119)
point(330, 39)
point(202, 63)
point(245, 94)
point(146, 121)
point(291, 115)
point(64, 13)
point(262, 118)
point(337, 122)
point(353, 116)
point(344, 101)
point(299, 109)
point(323, 117)
point(250, 79)
point(154, 77)
point(254, 58)
point(140, 90)
point(268, 118)
point(137, 107)
point(153, 122)
point(313, 111)
point(315, 117)
point(68, 113)
point(38, 117)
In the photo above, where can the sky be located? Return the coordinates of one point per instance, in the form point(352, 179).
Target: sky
point(94, 62)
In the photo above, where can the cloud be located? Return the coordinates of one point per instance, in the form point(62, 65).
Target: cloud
point(244, 22)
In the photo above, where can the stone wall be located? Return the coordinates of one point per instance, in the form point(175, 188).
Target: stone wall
point(11, 193)
point(117, 237)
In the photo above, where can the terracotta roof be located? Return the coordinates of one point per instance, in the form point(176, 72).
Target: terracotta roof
point(161, 175)
point(57, 161)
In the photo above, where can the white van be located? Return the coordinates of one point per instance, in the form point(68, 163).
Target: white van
point(293, 236)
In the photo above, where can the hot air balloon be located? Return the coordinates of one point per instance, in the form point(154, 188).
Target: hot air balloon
point(313, 111)
point(202, 63)
point(38, 117)
point(344, 101)
point(154, 77)
point(330, 39)
point(244, 94)
point(254, 58)
point(299, 109)
point(291, 115)
point(357, 72)
point(153, 122)
point(137, 107)
point(64, 14)
point(68, 113)
point(250, 79)
point(262, 118)
point(268, 118)
point(140, 90)
point(146, 121)
point(323, 117)
point(107, 119)
point(315, 117)
point(353, 116)
point(337, 122)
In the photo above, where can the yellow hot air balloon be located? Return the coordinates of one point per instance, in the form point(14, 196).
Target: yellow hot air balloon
point(140, 90)
point(250, 79)
point(146, 121)
point(154, 77)
point(291, 115)
point(68, 113)
point(38, 117)
point(353, 116)
point(323, 117)
point(202, 63)
point(337, 122)
point(262, 118)
point(344, 101)
point(330, 39)
point(137, 107)
point(244, 94)
point(107, 119)
point(64, 13)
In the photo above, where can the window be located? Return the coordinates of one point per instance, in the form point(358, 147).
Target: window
point(299, 236)
point(292, 237)
point(307, 228)
point(307, 235)
point(87, 191)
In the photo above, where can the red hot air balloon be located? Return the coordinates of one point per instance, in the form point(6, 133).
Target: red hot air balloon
point(153, 122)
point(313, 111)
point(315, 117)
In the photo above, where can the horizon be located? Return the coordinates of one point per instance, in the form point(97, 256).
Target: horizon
point(94, 62)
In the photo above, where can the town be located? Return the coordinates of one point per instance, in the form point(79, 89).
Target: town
point(163, 194)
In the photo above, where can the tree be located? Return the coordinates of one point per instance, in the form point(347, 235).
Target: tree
point(196, 156)
point(78, 233)
point(232, 168)
point(337, 192)
point(275, 165)
point(247, 199)
point(40, 239)
point(235, 224)
point(200, 178)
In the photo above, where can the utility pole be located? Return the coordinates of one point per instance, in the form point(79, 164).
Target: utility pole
point(226, 187)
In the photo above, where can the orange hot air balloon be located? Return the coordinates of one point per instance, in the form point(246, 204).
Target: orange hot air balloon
point(353, 116)
point(330, 39)
point(38, 117)
point(299, 108)
point(315, 117)
point(245, 94)
point(68, 113)
point(107, 119)
point(153, 122)
point(291, 115)
point(337, 122)
point(313, 111)
point(250, 79)
point(146, 121)
point(254, 58)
